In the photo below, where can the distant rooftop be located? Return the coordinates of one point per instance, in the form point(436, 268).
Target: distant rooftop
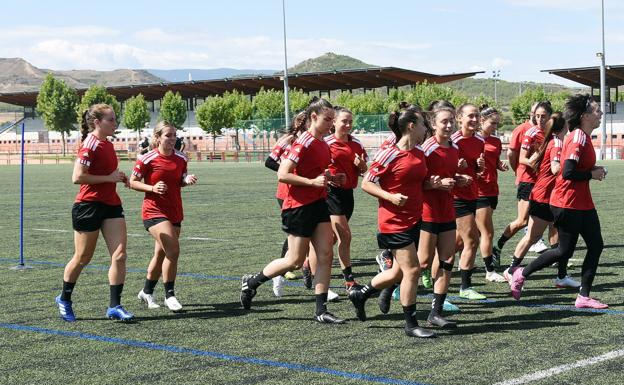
point(590, 76)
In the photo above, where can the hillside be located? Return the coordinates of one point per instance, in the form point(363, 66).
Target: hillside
point(328, 62)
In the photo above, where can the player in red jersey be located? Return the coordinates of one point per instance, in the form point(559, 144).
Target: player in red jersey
point(160, 174)
point(513, 150)
point(571, 202)
point(305, 216)
point(526, 173)
point(471, 146)
point(487, 188)
point(540, 216)
point(97, 208)
point(396, 178)
point(348, 157)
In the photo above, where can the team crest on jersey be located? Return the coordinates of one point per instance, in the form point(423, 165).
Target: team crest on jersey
point(86, 154)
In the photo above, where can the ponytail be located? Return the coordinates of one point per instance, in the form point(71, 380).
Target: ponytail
point(94, 112)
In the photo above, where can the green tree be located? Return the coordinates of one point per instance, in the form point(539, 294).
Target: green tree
point(241, 108)
point(363, 105)
point(173, 109)
point(297, 101)
point(94, 95)
point(521, 105)
point(214, 114)
point(56, 104)
point(268, 105)
point(136, 114)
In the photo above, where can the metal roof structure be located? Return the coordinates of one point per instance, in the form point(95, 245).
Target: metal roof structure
point(590, 76)
point(308, 82)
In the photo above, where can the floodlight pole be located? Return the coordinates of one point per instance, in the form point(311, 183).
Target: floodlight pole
point(286, 101)
point(603, 93)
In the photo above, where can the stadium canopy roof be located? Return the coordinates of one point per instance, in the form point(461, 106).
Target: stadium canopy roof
point(308, 82)
point(590, 76)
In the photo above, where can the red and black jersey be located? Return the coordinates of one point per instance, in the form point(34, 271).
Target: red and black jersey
point(278, 153)
point(154, 167)
point(487, 181)
point(101, 159)
point(545, 179)
point(312, 157)
point(515, 143)
point(532, 140)
point(441, 161)
point(343, 155)
point(575, 194)
point(402, 172)
point(470, 148)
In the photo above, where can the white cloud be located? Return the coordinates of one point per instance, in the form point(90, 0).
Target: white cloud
point(498, 63)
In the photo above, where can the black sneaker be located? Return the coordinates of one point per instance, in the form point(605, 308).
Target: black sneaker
point(307, 275)
point(496, 256)
point(247, 293)
point(419, 332)
point(359, 302)
point(439, 321)
point(328, 318)
point(385, 298)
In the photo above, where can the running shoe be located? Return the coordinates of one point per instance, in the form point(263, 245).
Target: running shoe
point(471, 294)
point(493, 276)
point(307, 275)
point(496, 253)
point(396, 294)
point(148, 299)
point(419, 332)
point(589, 303)
point(507, 275)
point(384, 260)
point(247, 293)
point(332, 295)
point(517, 281)
point(278, 285)
point(441, 322)
point(328, 318)
point(449, 307)
point(350, 285)
point(65, 309)
point(119, 313)
point(427, 282)
point(289, 275)
point(385, 298)
point(538, 247)
point(173, 304)
point(359, 302)
point(566, 281)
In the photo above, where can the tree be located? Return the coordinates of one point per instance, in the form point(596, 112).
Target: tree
point(367, 103)
point(136, 114)
point(241, 109)
point(56, 104)
point(173, 109)
point(94, 95)
point(521, 105)
point(213, 115)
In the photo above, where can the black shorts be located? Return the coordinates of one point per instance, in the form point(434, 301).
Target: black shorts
point(147, 223)
point(301, 221)
point(464, 207)
point(483, 202)
point(280, 202)
point(437, 228)
point(541, 210)
point(340, 201)
point(88, 216)
point(393, 241)
point(524, 190)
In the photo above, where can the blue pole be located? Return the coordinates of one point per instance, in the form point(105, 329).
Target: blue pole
point(21, 263)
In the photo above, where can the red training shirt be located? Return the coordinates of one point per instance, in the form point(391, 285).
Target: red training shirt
point(487, 181)
point(515, 143)
point(343, 155)
point(545, 179)
point(101, 159)
point(278, 153)
point(470, 148)
point(441, 161)
point(532, 140)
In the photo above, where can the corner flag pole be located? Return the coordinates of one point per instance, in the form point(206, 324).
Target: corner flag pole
point(22, 265)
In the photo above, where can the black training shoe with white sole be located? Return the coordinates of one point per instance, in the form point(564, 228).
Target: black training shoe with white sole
point(359, 302)
point(419, 332)
point(328, 318)
point(385, 298)
point(439, 321)
point(247, 293)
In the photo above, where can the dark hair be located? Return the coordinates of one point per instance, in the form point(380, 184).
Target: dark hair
point(398, 120)
point(337, 111)
point(440, 103)
point(317, 105)
point(431, 115)
point(486, 111)
point(94, 112)
point(460, 109)
point(553, 126)
point(298, 123)
point(545, 105)
point(575, 107)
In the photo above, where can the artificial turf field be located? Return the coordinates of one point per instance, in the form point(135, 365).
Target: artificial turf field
point(231, 228)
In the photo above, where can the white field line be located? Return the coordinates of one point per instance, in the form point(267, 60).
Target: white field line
point(563, 368)
point(140, 235)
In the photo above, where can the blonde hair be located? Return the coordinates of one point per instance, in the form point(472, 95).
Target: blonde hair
point(160, 126)
point(94, 112)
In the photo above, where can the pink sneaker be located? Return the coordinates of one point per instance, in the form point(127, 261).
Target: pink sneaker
point(507, 276)
point(589, 302)
point(517, 281)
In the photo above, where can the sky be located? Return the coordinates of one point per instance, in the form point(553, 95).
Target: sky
point(519, 38)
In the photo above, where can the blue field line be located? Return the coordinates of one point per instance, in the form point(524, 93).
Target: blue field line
point(216, 355)
point(297, 284)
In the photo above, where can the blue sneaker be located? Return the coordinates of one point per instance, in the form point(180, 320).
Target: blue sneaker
point(396, 294)
point(65, 309)
point(449, 307)
point(119, 313)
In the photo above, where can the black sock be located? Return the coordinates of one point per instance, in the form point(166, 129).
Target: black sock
point(554, 246)
point(149, 286)
point(369, 291)
point(489, 263)
point(321, 303)
point(409, 312)
point(257, 280)
point(284, 248)
point(68, 288)
point(515, 262)
point(466, 279)
point(562, 269)
point(347, 274)
point(437, 303)
point(502, 240)
point(169, 289)
point(115, 295)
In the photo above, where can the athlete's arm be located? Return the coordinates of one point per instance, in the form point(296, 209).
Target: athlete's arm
point(81, 175)
point(375, 190)
point(285, 175)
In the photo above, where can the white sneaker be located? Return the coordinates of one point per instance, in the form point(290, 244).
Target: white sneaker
point(148, 299)
point(567, 281)
point(332, 295)
point(278, 285)
point(173, 304)
point(507, 276)
point(493, 276)
point(538, 247)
